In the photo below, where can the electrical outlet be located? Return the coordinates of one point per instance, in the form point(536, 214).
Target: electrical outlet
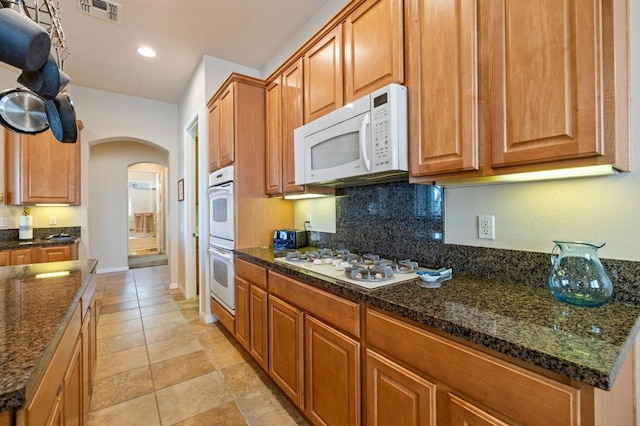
point(486, 227)
point(52, 220)
point(3, 222)
point(308, 221)
point(97, 253)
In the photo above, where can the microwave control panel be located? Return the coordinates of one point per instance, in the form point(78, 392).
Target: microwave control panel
point(382, 154)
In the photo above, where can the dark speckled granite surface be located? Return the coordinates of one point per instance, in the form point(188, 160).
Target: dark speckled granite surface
point(33, 315)
point(521, 321)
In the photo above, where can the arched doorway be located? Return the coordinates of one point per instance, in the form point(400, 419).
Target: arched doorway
point(108, 207)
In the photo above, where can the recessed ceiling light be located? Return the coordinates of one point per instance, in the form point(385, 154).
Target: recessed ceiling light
point(147, 52)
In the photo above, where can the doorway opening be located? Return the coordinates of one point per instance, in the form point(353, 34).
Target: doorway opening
point(146, 215)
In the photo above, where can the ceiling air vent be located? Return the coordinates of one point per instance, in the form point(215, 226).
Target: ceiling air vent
point(107, 10)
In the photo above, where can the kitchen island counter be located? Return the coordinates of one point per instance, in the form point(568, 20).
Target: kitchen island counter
point(37, 302)
point(523, 322)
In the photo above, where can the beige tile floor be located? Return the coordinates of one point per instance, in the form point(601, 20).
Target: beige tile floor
point(158, 364)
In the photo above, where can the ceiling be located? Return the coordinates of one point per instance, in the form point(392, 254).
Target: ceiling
point(102, 54)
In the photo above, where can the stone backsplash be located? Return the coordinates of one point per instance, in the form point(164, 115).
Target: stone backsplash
point(404, 221)
point(40, 233)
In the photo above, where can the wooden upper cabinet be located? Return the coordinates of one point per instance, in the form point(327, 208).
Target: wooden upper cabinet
point(443, 86)
point(547, 94)
point(214, 136)
point(227, 126)
point(323, 76)
point(273, 111)
point(292, 118)
point(222, 128)
point(373, 47)
point(39, 169)
point(284, 109)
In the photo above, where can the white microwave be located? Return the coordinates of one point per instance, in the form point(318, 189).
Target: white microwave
point(363, 142)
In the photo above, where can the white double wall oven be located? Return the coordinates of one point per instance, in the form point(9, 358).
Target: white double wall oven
point(222, 237)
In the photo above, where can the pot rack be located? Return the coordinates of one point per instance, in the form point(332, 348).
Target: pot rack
point(46, 13)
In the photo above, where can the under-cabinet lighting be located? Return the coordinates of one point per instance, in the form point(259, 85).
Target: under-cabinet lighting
point(53, 274)
point(312, 192)
point(52, 205)
point(573, 172)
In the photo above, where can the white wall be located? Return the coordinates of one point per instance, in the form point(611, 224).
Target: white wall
point(108, 203)
point(529, 216)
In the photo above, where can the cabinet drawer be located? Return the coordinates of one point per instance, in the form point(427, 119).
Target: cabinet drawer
point(250, 272)
point(336, 311)
point(514, 391)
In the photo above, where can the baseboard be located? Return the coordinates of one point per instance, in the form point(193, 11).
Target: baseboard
point(173, 286)
point(116, 269)
point(207, 318)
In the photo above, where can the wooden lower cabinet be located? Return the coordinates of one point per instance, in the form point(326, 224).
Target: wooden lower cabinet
point(22, 256)
point(395, 395)
point(242, 312)
point(29, 255)
point(62, 397)
point(53, 254)
point(72, 388)
point(286, 350)
point(258, 331)
point(462, 412)
point(332, 375)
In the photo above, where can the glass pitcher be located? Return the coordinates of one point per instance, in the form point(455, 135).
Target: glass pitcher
point(577, 276)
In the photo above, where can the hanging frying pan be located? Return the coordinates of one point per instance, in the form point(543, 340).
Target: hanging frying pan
point(23, 43)
point(23, 111)
point(62, 118)
point(47, 81)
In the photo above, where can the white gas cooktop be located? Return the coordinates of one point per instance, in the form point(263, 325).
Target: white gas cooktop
point(327, 268)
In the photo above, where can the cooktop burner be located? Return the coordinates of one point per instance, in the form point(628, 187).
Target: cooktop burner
point(366, 270)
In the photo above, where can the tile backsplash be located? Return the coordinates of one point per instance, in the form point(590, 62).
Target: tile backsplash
point(394, 220)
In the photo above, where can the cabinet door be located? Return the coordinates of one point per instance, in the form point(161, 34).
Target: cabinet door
point(72, 388)
point(227, 126)
point(292, 118)
point(258, 325)
point(242, 312)
point(22, 256)
point(373, 47)
point(53, 254)
point(397, 396)
point(56, 416)
point(546, 81)
point(214, 136)
point(443, 86)
point(44, 171)
point(463, 413)
point(273, 108)
point(5, 258)
point(332, 375)
point(286, 349)
point(323, 76)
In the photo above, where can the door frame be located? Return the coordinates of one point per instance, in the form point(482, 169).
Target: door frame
point(190, 211)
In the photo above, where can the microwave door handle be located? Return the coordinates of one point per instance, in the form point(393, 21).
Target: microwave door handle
point(363, 142)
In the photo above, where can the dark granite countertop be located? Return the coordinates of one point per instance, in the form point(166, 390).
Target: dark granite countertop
point(520, 321)
point(37, 242)
point(34, 313)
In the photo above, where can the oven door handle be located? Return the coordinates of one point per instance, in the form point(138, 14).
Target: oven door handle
point(222, 189)
point(222, 253)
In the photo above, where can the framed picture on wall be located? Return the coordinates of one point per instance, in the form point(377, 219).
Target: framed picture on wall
point(181, 190)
